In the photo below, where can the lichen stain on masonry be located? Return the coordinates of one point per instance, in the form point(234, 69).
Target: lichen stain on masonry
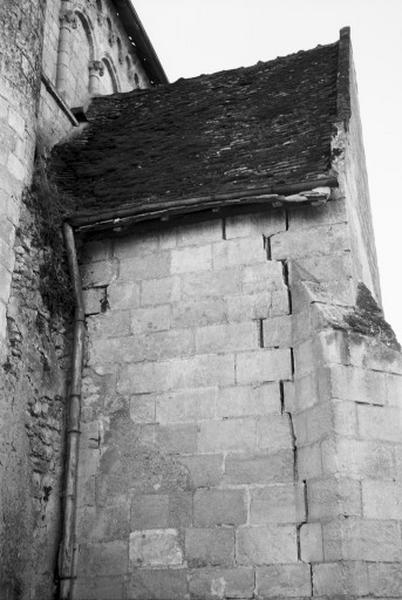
point(131, 462)
point(367, 318)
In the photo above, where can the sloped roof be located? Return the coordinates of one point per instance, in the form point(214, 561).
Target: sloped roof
point(236, 131)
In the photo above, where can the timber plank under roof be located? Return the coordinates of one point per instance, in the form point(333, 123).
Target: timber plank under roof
point(255, 128)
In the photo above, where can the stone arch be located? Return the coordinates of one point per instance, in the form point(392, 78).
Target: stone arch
point(110, 32)
point(76, 51)
point(119, 50)
point(89, 31)
point(129, 68)
point(109, 82)
point(82, 53)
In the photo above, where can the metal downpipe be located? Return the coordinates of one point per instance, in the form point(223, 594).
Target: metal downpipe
point(67, 550)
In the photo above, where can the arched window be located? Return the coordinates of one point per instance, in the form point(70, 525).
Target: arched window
point(110, 34)
point(119, 50)
point(81, 54)
point(108, 82)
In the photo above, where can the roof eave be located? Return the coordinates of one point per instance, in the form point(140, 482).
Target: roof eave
point(145, 50)
point(314, 192)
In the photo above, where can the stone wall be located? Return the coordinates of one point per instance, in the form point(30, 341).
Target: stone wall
point(32, 392)
point(86, 51)
point(207, 461)
point(346, 405)
point(21, 25)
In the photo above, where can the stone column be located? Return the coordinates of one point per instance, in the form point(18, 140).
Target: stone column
point(68, 22)
point(96, 70)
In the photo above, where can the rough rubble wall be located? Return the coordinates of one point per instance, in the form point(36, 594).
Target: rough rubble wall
point(20, 52)
point(191, 479)
point(33, 376)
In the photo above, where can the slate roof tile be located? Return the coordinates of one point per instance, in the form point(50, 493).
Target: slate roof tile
point(243, 129)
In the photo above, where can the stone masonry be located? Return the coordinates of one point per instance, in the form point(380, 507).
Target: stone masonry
point(241, 408)
point(35, 48)
point(238, 442)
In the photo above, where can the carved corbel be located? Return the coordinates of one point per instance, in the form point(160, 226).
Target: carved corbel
point(96, 67)
point(68, 18)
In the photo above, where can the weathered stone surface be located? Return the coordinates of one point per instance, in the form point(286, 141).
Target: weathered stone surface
point(355, 539)
point(228, 434)
point(189, 405)
point(177, 439)
point(206, 470)
point(158, 584)
point(141, 268)
point(209, 584)
point(284, 581)
point(226, 338)
point(160, 291)
point(317, 240)
point(382, 501)
point(385, 579)
point(191, 259)
point(155, 548)
point(100, 588)
point(257, 224)
point(277, 504)
point(274, 433)
point(340, 579)
point(311, 546)
point(229, 253)
point(277, 332)
point(149, 511)
point(200, 233)
point(333, 497)
point(263, 365)
point(209, 547)
point(265, 545)
point(242, 401)
point(108, 558)
point(211, 284)
point(219, 507)
point(274, 467)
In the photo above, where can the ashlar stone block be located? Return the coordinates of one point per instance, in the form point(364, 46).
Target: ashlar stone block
point(288, 581)
point(219, 507)
point(206, 470)
point(277, 504)
point(343, 579)
point(209, 547)
point(265, 545)
point(158, 584)
point(263, 365)
point(210, 584)
point(155, 548)
point(259, 468)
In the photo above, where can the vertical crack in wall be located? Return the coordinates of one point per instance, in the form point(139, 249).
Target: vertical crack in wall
point(284, 410)
point(260, 326)
point(224, 228)
point(285, 274)
point(267, 246)
point(282, 396)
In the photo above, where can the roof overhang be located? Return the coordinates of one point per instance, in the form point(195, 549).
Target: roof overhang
point(316, 193)
point(145, 51)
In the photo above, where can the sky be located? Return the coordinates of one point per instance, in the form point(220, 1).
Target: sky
point(203, 36)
